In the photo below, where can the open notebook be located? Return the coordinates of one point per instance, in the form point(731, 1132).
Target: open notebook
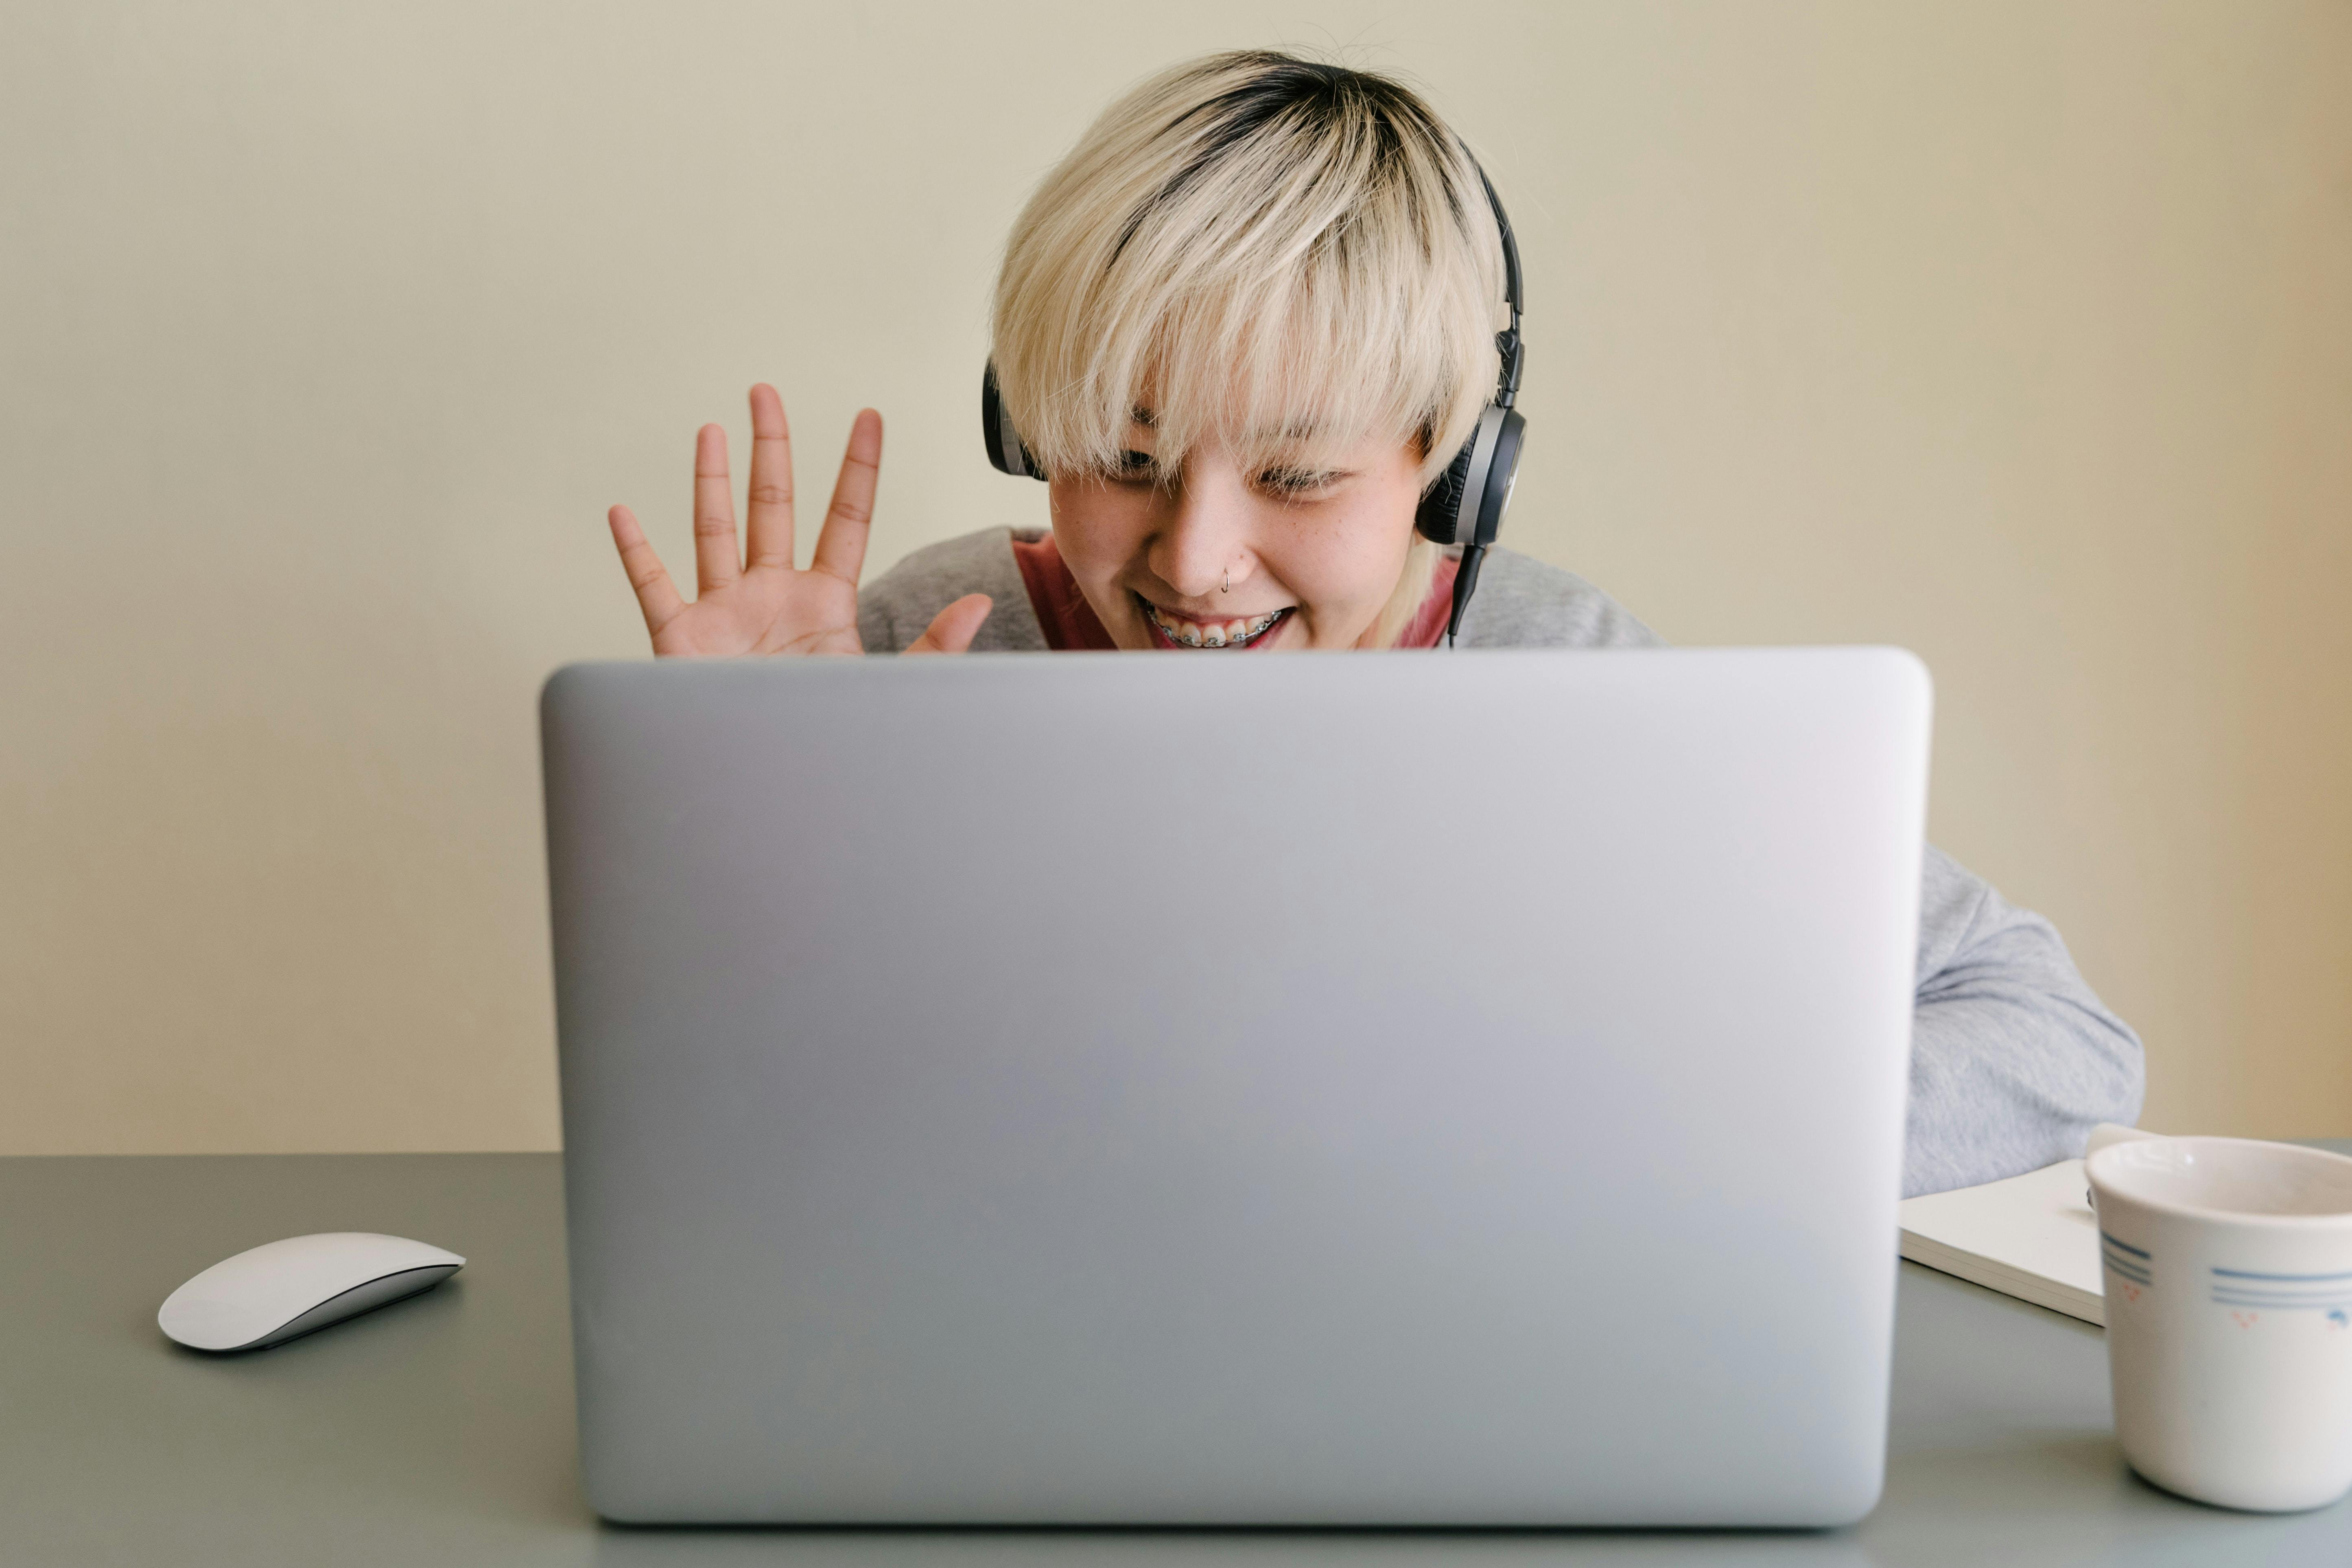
point(2032, 1236)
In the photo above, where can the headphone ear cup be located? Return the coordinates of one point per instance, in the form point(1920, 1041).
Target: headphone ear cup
point(1466, 506)
point(1006, 451)
point(1502, 474)
point(1439, 516)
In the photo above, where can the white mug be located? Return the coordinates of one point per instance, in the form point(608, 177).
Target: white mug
point(2228, 1266)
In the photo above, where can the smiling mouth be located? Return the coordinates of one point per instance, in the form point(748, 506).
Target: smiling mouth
point(1241, 632)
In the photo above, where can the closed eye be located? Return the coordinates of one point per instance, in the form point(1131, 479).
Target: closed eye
point(1298, 483)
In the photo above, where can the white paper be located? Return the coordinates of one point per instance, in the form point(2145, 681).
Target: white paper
point(2033, 1237)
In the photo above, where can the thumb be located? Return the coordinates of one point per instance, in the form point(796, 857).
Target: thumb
point(952, 629)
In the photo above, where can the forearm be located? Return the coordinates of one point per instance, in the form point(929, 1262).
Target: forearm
point(2013, 1056)
point(2000, 1086)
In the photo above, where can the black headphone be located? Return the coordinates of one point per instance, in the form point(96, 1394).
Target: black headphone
point(1465, 505)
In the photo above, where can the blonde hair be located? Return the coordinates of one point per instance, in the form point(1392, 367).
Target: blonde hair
point(1258, 248)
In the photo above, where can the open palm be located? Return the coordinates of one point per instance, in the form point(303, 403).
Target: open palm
point(760, 603)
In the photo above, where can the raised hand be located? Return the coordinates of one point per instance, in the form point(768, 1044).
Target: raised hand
point(761, 605)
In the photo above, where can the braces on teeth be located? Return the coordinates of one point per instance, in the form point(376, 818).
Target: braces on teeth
point(1220, 635)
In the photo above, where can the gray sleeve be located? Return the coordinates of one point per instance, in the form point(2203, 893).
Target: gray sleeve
point(896, 607)
point(2013, 1057)
point(1525, 603)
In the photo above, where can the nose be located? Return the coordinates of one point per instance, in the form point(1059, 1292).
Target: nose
point(1202, 540)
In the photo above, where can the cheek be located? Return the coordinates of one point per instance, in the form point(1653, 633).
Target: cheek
point(1097, 529)
point(1351, 563)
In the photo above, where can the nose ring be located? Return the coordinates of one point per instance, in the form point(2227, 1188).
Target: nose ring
point(1227, 585)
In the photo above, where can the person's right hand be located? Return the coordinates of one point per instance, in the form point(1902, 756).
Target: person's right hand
point(763, 605)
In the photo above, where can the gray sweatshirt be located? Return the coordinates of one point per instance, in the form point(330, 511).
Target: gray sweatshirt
point(2012, 1057)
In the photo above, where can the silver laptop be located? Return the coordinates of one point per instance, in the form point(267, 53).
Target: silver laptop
point(1460, 1089)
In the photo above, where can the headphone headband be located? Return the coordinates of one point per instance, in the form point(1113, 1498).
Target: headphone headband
point(1506, 342)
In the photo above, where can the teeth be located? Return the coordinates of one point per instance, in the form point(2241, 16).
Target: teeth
point(1212, 634)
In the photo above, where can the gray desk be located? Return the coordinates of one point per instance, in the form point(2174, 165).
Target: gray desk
point(440, 1430)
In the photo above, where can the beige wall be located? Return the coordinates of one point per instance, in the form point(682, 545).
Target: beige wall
point(2020, 333)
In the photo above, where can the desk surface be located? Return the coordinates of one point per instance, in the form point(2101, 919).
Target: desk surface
point(440, 1429)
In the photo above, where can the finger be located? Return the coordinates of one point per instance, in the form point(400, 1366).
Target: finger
point(769, 508)
point(952, 629)
point(841, 544)
point(716, 560)
point(656, 595)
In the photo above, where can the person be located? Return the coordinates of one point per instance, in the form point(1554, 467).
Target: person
point(1241, 329)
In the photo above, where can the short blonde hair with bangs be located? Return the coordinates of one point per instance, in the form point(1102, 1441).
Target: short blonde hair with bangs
point(1258, 248)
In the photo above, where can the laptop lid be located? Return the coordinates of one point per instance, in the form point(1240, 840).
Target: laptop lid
point(1332, 1088)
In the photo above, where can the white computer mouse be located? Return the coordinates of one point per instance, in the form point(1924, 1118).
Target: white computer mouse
point(282, 1289)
